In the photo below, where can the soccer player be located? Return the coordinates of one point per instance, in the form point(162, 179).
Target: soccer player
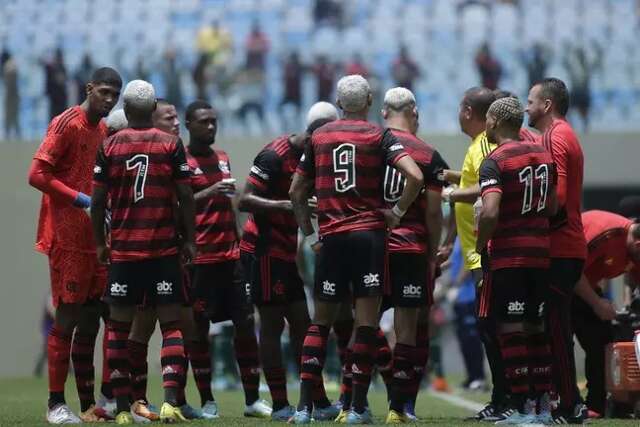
point(412, 245)
point(61, 169)
point(116, 121)
point(269, 247)
point(141, 170)
point(344, 162)
point(613, 244)
point(472, 118)
point(217, 289)
point(165, 118)
point(548, 103)
point(517, 181)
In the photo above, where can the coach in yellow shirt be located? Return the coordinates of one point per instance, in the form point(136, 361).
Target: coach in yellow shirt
point(472, 117)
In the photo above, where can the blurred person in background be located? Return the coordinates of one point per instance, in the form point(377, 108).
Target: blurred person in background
point(404, 69)
point(171, 76)
point(292, 73)
point(56, 83)
point(463, 294)
point(488, 66)
point(46, 323)
point(356, 66)
point(250, 89)
point(201, 76)
point(328, 12)
point(82, 76)
point(257, 47)
point(536, 62)
point(580, 69)
point(325, 73)
point(215, 41)
point(9, 74)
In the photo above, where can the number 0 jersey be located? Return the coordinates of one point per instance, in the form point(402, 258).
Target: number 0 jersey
point(347, 158)
point(411, 234)
point(524, 173)
point(140, 168)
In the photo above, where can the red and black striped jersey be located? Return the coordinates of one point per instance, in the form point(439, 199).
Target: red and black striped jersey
point(216, 233)
point(140, 168)
point(524, 173)
point(347, 160)
point(411, 234)
point(274, 233)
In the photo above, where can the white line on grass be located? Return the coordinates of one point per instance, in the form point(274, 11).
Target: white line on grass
point(457, 401)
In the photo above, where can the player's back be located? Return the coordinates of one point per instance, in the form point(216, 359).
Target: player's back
point(567, 238)
point(276, 232)
point(143, 166)
point(349, 157)
point(525, 173)
point(411, 234)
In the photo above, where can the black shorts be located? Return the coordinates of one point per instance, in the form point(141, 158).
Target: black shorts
point(149, 282)
point(358, 258)
point(514, 295)
point(409, 278)
point(564, 276)
point(272, 281)
point(219, 292)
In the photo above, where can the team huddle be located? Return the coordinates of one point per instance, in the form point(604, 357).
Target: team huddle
point(140, 229)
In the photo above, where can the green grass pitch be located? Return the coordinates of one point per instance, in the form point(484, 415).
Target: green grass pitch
point(23, 400)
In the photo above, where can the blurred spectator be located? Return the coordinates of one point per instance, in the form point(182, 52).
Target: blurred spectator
point(325, 73)
point(327, 12)
point(201, 76)
point(356, 66)
point(404, 70)
point(82, 77)
point(46, 323)
point(536, 63)
point(216, 42)
point(257, 47)
point(580, 69)
point(250, 89)
point(463, 287)
point(292, 83)
point(488, 66)
point(630, 207)
point(140, 70)
point(9, 73)
point(56, 83)
point(171, 76)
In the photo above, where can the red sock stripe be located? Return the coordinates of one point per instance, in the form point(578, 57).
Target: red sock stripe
point(138, 369)
point(277, 381)
point(118, 358)
point(172, 358)
point(248, 361)
point(58, 355)
point(82, 356)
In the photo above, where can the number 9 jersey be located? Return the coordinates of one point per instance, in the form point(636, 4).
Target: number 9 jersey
point(524, 173)
point(140, 168)
point(347, 159)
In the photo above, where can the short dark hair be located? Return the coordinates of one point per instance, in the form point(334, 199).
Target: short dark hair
point(162, 101)
point(196, 105)
point(555, 90)
point(502, 93)
point(316, 124)
point(108, 76)
point(630, 207)
point(479, 99)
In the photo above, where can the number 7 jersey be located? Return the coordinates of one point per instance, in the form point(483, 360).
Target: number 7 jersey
point(347, 159)
point(139, 168)
point(524, 173)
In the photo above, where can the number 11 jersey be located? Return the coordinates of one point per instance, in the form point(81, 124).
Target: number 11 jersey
point(347, 159)
point(524, 173)
point(139, 168)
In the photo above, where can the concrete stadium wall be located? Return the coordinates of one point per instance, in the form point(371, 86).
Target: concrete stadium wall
point(611, 160)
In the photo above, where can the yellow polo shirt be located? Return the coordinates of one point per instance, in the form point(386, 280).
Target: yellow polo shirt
point(478, 150)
